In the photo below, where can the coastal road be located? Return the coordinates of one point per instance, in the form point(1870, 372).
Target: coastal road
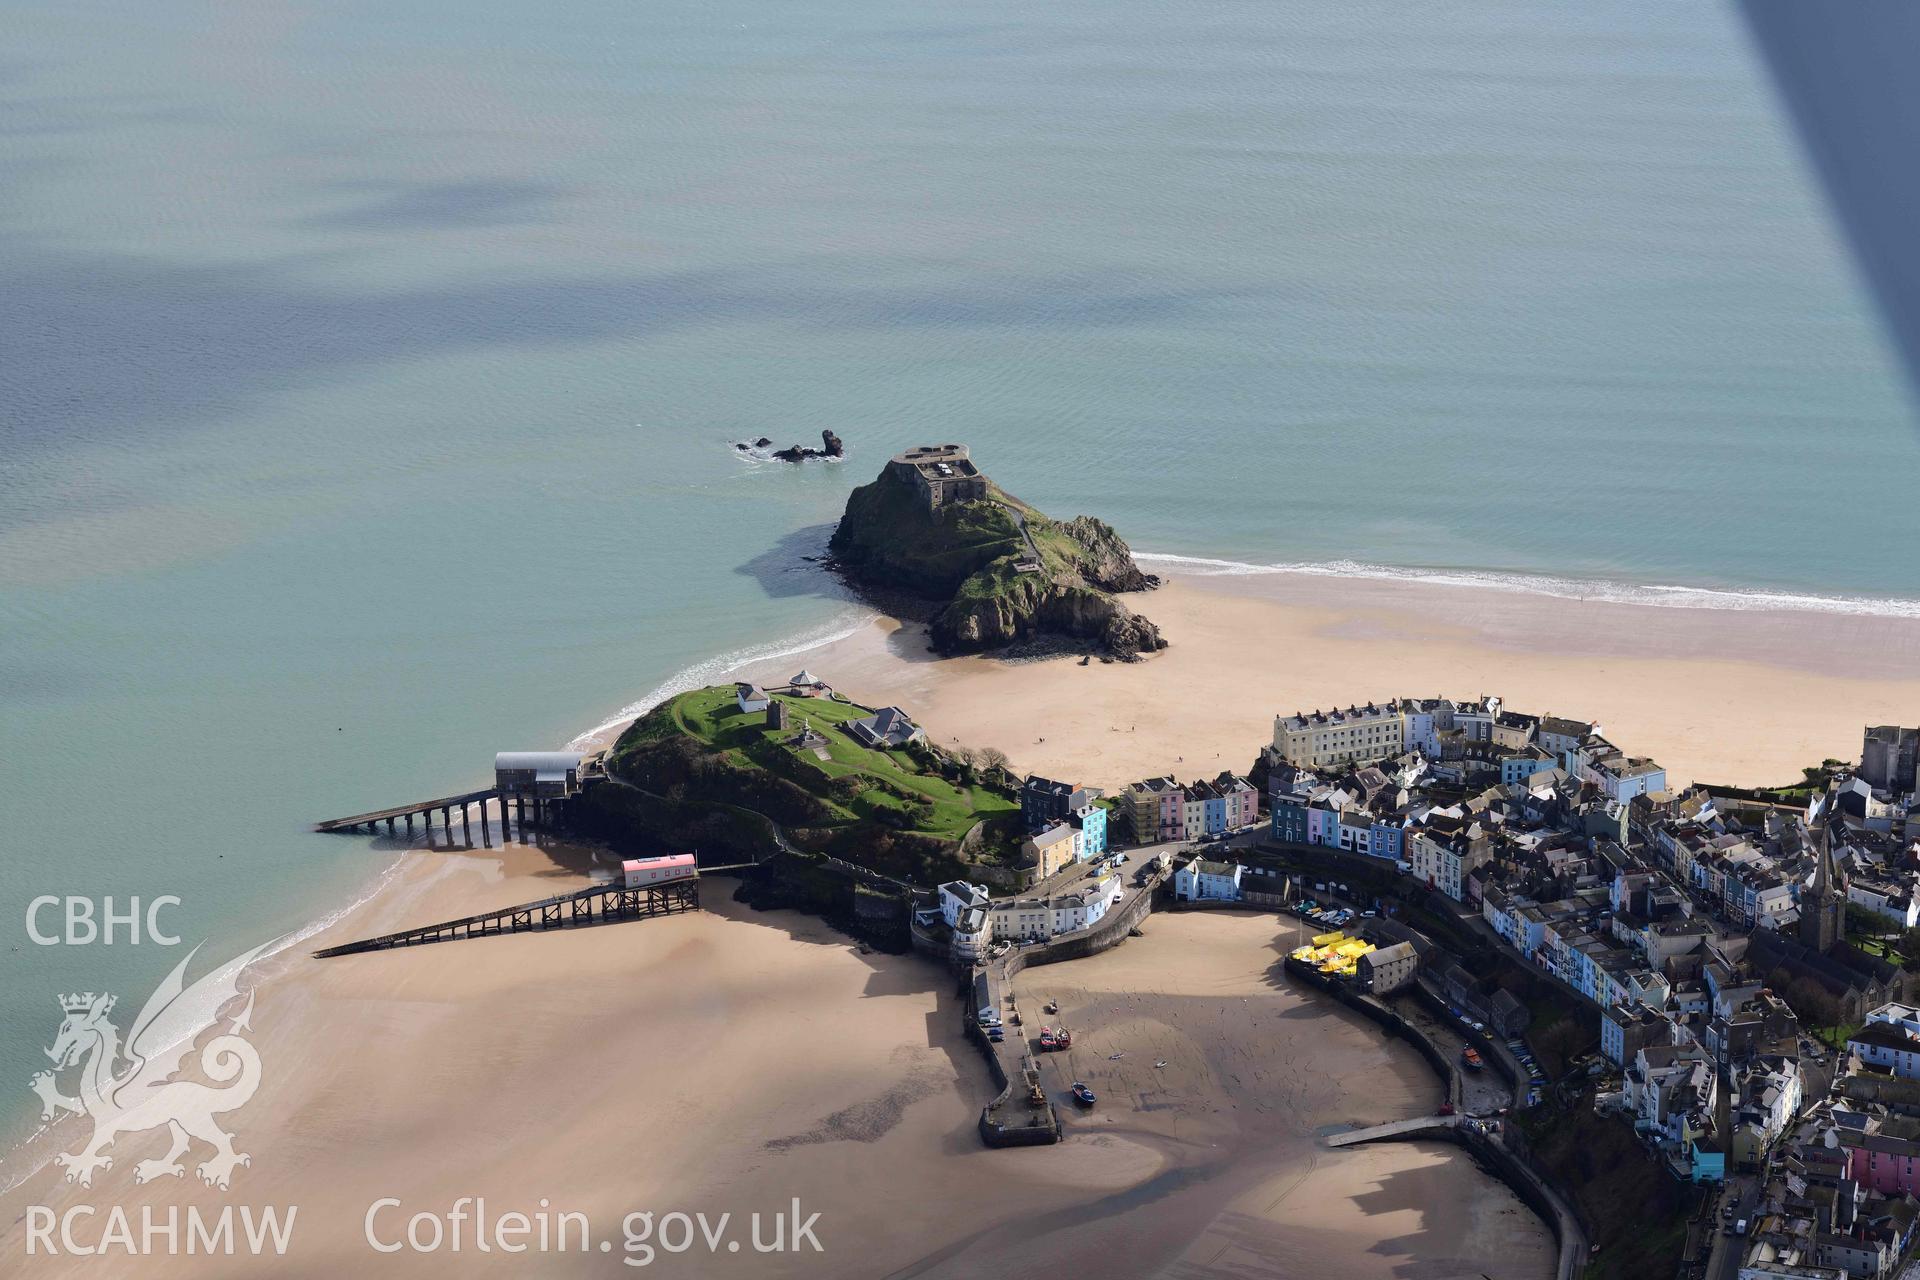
point(1483, 1092)
point(1729, 1250)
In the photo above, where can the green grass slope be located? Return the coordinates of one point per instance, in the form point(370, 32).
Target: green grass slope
point(701, 744)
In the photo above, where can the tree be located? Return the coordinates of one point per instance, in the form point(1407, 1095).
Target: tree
point(1909, 946)
point(1813, 1004)
point(1560, 1042)
point(993, 760)
point(1862, 921)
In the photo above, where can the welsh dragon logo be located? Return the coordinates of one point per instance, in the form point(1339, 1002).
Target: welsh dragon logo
point(126, 1087)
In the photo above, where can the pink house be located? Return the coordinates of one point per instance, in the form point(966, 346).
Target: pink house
point(1243, 802)
point(638, 872)
point(1888, 1164)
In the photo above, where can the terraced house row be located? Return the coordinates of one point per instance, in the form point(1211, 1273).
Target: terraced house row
point(1160, 809)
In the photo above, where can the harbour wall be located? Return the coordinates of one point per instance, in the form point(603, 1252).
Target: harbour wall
point(1531, 1185)
point(1009, 1121)
point(1368, 1007)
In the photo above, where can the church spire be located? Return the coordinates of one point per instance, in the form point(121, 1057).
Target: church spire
point(1823, 854)
point(1822, 907)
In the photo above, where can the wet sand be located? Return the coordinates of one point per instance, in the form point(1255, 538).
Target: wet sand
point(730, 1061)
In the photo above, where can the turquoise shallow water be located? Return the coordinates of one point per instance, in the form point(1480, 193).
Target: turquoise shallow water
point(367, 372)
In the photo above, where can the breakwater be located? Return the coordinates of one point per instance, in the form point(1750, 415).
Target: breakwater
point(1020, 1115)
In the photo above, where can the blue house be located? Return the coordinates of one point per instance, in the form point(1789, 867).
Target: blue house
point(1092, 821)
point(1216, 811)
point(1519, 768)
point(1389, 841)
point(1290, 819)
point(1708, 1165)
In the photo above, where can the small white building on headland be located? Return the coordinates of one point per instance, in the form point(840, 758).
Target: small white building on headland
point(751, 697)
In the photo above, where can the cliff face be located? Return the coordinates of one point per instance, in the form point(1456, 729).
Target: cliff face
point(888, 539)
point(968, 558)
point(1108, 562)
point(1051, 608)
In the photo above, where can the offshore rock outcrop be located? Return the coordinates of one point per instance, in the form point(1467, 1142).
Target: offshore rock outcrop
point(830, 447)
point(998, 572)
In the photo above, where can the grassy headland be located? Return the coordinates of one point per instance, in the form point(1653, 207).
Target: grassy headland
point(903, 812)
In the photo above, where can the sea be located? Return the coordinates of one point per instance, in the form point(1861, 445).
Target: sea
point(371, 374)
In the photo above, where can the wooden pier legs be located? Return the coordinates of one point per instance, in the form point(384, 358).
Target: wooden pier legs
point(486, 834)
point(466, 829)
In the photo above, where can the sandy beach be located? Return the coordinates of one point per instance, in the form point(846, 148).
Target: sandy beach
point(1741, 697)
point(730, 1061)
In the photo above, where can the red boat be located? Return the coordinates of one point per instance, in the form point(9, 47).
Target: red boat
point(1063, 1038)
point(1471, 1056)
point(1046, 1039)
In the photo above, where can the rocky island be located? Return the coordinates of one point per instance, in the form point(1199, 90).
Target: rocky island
point(932, 526)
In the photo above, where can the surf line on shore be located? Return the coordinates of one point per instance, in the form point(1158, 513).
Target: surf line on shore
point(701, 674)
point(1654, 595)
